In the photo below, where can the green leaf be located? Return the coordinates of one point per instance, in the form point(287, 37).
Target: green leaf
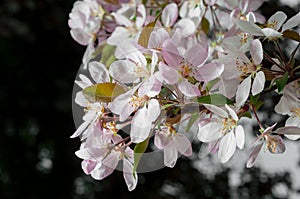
point(205, 25)
point(281, 82)
point(103, 92)
point(290, 34)
point(215, 99)
point(139, 150)
point(246, 114)
point(166, 106)
point(210, 84)
point(192, 120)
point(108, 55)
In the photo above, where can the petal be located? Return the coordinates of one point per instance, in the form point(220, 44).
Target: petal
point(227, 147)
point(130, 178)
point(220, 112)
point(209, 72)
point(91, 153)
point(253, 155)
point(242, 92)
point(171, 54)
point(258, 83)
point(256, 51)
point(157, 38)
point(169, 15)
point(169, 74)
point(210, 132)
point(186, 26)
point(123, 71)
point(240, 137)
point(88, 166)
point(188, 89)
point(170, 155)
point(161, 139)
point(277, 19)
point(196, 55)
point(183, 145)
point(292, 22)
point(282, 107)
point(140, 126)
point(232, 113)
point(249, 27)
point(98, 72)
point(153, 110)
point(80, 129)
point(85, 82)
point(81, 100)
point(108, 166)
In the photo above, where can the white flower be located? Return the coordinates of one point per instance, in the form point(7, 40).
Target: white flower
point(223, 127)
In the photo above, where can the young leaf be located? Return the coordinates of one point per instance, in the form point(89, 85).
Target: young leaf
point(281, 82)
point(145, 35)
point(215, 99)
point(205, 25)
point(291, 35)
point(107, 55)
point(103, 92)
point(139, 150)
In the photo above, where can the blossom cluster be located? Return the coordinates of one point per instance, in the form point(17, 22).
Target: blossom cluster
point(148, 60)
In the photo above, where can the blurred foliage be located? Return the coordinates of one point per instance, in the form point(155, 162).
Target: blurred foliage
point(39, 61)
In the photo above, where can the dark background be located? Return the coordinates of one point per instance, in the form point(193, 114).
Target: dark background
point(38, 65)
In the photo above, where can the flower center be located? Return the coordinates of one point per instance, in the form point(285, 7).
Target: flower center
point(296, 112)
point(228, 125)
point(137, 101)
point(186, 70)
point(272, 24)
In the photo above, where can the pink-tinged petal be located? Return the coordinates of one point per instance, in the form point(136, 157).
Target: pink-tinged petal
point(209, 72)
point(170, 155)
point(169, 15)
point(277, 19)
point(275, 144)
point(232, 113)
point(271, 33)
point(188, 89)
point(130, 178)
point(243, 91)
point(98, 72)
point(126, 111)
point(255, 4)
point(186, 26)
point(258, 83)
point(171, 54)
point(240, 137)
point(253, 155)
point(81, 100)
point(227, 147)
point(140, 126)
point(109, 164)
point(196, 55)
point(157, 38)
point(153, 109)
point(88, 166)
point(216, 110)
point(123, 71)
point(210, 132)
point(213, 147)
point(169, 74)
point(292, 22)
point(256, 51)
point(183, 145)
point(228, 87)
point(85, 82)
point(161, 139)
point(249, 27)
